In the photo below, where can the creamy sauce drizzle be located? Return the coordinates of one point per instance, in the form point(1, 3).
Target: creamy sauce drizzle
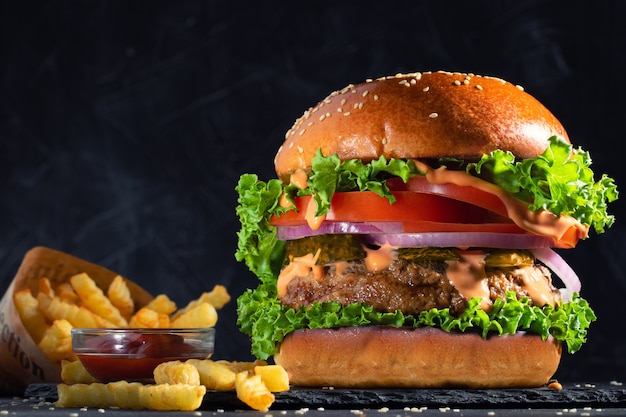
point(379, 259)
point(312, 220)
point(299, 267)
point(468, 273)
point(299, 178)
point(468, 276)
point(537, 286)
point(540, 222)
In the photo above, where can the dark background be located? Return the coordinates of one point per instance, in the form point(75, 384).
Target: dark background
point(124, 126)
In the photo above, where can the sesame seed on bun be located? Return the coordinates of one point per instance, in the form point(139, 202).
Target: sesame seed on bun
point(420, 115)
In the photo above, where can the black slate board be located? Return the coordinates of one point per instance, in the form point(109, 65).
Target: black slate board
point(572, 395)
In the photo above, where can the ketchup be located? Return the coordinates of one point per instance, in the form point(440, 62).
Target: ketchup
point(133, 357)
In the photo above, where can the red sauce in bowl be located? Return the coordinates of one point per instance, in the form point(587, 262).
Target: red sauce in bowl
point(133, 357)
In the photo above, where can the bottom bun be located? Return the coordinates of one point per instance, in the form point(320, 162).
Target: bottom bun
point(385, 357)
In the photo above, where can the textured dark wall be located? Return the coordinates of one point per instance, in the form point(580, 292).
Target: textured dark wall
point(124, 125)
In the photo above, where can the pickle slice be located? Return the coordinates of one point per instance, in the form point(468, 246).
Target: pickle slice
point(427, 254)
point(504, 258)
point(334, 248)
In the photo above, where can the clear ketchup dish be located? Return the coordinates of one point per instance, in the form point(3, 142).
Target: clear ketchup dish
point(132, 354)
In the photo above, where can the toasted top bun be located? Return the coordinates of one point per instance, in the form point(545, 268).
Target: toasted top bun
point(420, 115)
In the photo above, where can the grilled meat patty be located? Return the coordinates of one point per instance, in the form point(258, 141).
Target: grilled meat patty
point(405, 285)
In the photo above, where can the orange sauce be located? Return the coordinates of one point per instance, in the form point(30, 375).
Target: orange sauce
point(379, 259)
point(468, 276)
point(537, 287)
point(312, 220)
point(298, 267)
point(540, 222)
point(299, 178)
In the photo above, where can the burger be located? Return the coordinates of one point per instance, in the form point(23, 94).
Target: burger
point(410, 238)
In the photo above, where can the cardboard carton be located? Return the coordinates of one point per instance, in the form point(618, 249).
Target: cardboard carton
point(21, 361)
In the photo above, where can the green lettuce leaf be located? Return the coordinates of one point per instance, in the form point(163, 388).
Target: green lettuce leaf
point(258, 201)
point(559, 180)
point(267, 321)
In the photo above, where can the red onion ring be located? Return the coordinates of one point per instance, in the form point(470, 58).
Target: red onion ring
point(462, 240)
point(298, 232)
point(561, 268)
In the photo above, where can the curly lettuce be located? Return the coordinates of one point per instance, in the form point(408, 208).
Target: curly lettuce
point(559, 180)
point(267, 321)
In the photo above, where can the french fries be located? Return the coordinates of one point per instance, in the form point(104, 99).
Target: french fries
point(81, 303)
point(274, 377)
point(120, 297)
point(73, 372)
point(216, 376)
point(176, 372)
point(94, 300)
point(253, 382)
point(218, 297)
point(203, 315)
point(50, 315)
point(162, 304)
point(56, 343)
point(150, 319)
point(131, 395)
point(252, 391)
point(34, 322)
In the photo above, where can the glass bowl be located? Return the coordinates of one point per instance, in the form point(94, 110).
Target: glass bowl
point(131, 354)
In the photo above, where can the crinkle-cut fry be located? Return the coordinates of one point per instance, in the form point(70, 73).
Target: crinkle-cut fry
point(252, 391)
point(128, 395)
point(214, 375)
point(203, 315)
point(45, 286)
point(217, 297)
point(131, 395)
point(66, 293)
point(53, 308)
point(162, 304)
point(176, 372)
point(43, 303)
point(56, 343)
point(144, 317)
point(74, 372)
point(94, 299)
point(168, 397)
point(33, 320)
point(84, 395)
point(274, 377)
point(120, 297)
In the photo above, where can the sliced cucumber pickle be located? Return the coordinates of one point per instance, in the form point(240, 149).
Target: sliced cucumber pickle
point(334, 248)
point(427, 254)
point(504, 258)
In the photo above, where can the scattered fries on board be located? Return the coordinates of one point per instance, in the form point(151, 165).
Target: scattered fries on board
point(178, 383)
point(51, 313)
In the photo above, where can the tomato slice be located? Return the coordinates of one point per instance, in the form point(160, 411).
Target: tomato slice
point(481, 198)
point(471, 195)
point(423, 207)
point(416, 211)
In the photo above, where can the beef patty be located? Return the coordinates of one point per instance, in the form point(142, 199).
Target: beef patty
point(406, 286)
